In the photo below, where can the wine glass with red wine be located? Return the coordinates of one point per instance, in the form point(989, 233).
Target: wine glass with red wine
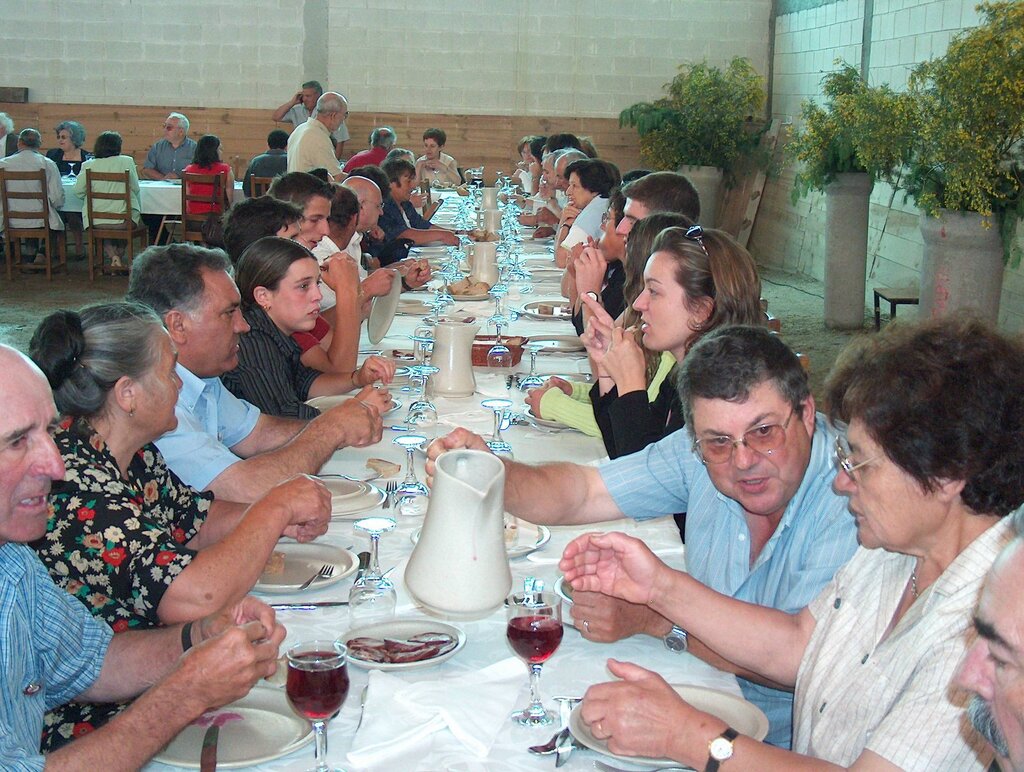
point(534, 632)
point(317, 686)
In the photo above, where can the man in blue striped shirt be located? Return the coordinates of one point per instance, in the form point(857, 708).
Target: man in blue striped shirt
point(754, 475)
point(53, 651)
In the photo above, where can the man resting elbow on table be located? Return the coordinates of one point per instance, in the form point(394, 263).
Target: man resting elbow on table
point(224, 444)
point(763, 523)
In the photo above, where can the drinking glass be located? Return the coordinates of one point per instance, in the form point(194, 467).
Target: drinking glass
point(532, 381)
point(498, 445)
point(317, 686)
point(499, 355)
point(372, 597)
point(412, 495)
point(422, 412)
point(534, 632)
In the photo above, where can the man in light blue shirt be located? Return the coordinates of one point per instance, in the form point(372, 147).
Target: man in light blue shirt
point(753, 472)
point(224, 444)
point(53, 651)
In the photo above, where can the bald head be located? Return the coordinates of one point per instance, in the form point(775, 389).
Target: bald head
point(29, 461)
point(370, 199)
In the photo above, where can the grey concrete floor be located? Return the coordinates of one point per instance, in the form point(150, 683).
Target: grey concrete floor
point(796, 300)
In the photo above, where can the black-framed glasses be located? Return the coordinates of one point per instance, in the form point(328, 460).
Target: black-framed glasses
point(843, 460)
point(764, 439)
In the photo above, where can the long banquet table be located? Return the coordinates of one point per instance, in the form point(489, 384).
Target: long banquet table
point(155, 196)
point(577, 663)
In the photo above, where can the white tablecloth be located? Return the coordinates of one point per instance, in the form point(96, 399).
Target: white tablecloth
point(577, 664)
point(155, 196)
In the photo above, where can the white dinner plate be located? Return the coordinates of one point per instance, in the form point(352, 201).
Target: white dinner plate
point(326, 403)
point(558, 344)
point(382, 312)
point(414, 307)
point(259, 727)
point(544, 422)
point(561, 310)
point(530, 538)
point(402, 629)
point(353, 507)
point(745, 717)
point(301, 561)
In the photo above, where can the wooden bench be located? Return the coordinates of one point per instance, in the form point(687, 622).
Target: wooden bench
point(894, 297)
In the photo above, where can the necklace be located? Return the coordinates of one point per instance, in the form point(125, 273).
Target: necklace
point(913, 582)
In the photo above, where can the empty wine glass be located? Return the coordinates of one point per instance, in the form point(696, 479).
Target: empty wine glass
point(498, 445)
point(412, 495)
point(499, 355)
point(534, 632)
point(532, 381)
point(373, 596)
point(422, 412)
point(317, 686)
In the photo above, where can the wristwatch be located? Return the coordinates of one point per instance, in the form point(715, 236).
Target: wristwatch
point(720, 749)
point(677, 640)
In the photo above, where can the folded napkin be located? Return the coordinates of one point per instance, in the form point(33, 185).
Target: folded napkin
point(399, 715)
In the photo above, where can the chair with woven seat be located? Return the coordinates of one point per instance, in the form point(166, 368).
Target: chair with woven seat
point(24, 199)
point(110, 221)
point(200, 189)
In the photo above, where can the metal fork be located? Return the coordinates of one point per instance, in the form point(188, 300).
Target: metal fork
point(326, 571)
point(389, 491)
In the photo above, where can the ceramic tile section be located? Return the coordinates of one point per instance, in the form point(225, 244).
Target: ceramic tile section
point(904, 32)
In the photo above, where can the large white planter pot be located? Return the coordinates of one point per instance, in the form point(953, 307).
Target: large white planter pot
point(962, 266)
point(847, 199)
point(708, 182)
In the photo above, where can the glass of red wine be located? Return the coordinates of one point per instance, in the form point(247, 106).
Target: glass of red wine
point(534, 632)
point(317, 686)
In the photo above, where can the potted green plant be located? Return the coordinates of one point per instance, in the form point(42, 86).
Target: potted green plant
point(966, 163)
point(827, 148)
point(709, 117)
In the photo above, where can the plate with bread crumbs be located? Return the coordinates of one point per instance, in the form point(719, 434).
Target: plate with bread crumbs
point(292, 563)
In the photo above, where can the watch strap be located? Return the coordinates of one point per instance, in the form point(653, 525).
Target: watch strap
point(728, 735)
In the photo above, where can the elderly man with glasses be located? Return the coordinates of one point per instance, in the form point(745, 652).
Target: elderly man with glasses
point(753, 471)
point(169, 156)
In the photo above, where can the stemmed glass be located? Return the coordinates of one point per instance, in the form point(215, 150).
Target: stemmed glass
point(534, 632)
point(498, 445)
point(532, 381)
point(422, 412)
point(317, 686)
point(372, 597)
point(412, 495)
point(499, 355)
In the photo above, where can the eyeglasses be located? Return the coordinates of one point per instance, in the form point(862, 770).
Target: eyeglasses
point(843, 459)
point(170, 125)
point(696, 233)
point(764, 439)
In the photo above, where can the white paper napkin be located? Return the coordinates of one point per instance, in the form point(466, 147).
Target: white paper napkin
point(398, 714)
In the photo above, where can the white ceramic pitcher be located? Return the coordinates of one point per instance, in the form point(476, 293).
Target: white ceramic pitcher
point(459, 567)
point(491, 220)
point(453, 356)
point(488, 198)
point(485, 262)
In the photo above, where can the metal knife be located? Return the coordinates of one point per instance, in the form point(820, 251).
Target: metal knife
point(208, 757)
point(308, 606)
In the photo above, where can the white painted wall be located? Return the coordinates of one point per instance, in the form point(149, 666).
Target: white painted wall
point(904, 32)
point(512, 57)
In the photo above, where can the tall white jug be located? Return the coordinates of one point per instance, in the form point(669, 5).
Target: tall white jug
point(453, 356)
point(459, 567)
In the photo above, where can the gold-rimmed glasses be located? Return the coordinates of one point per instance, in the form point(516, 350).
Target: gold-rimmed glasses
point(844, 461)
point(764, 439)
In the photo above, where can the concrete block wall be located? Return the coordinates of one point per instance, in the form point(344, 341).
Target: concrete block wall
point(577, 58)
point(807, 41)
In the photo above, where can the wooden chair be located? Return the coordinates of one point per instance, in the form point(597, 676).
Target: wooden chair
point(115, 225)
point(30, 202)
point(260, 186)
point(192, 224)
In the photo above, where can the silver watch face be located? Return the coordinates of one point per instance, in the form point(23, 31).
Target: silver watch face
point(675, 642)
point(720, 749)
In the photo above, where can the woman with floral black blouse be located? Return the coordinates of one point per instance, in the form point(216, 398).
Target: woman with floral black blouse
point(126, 537)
